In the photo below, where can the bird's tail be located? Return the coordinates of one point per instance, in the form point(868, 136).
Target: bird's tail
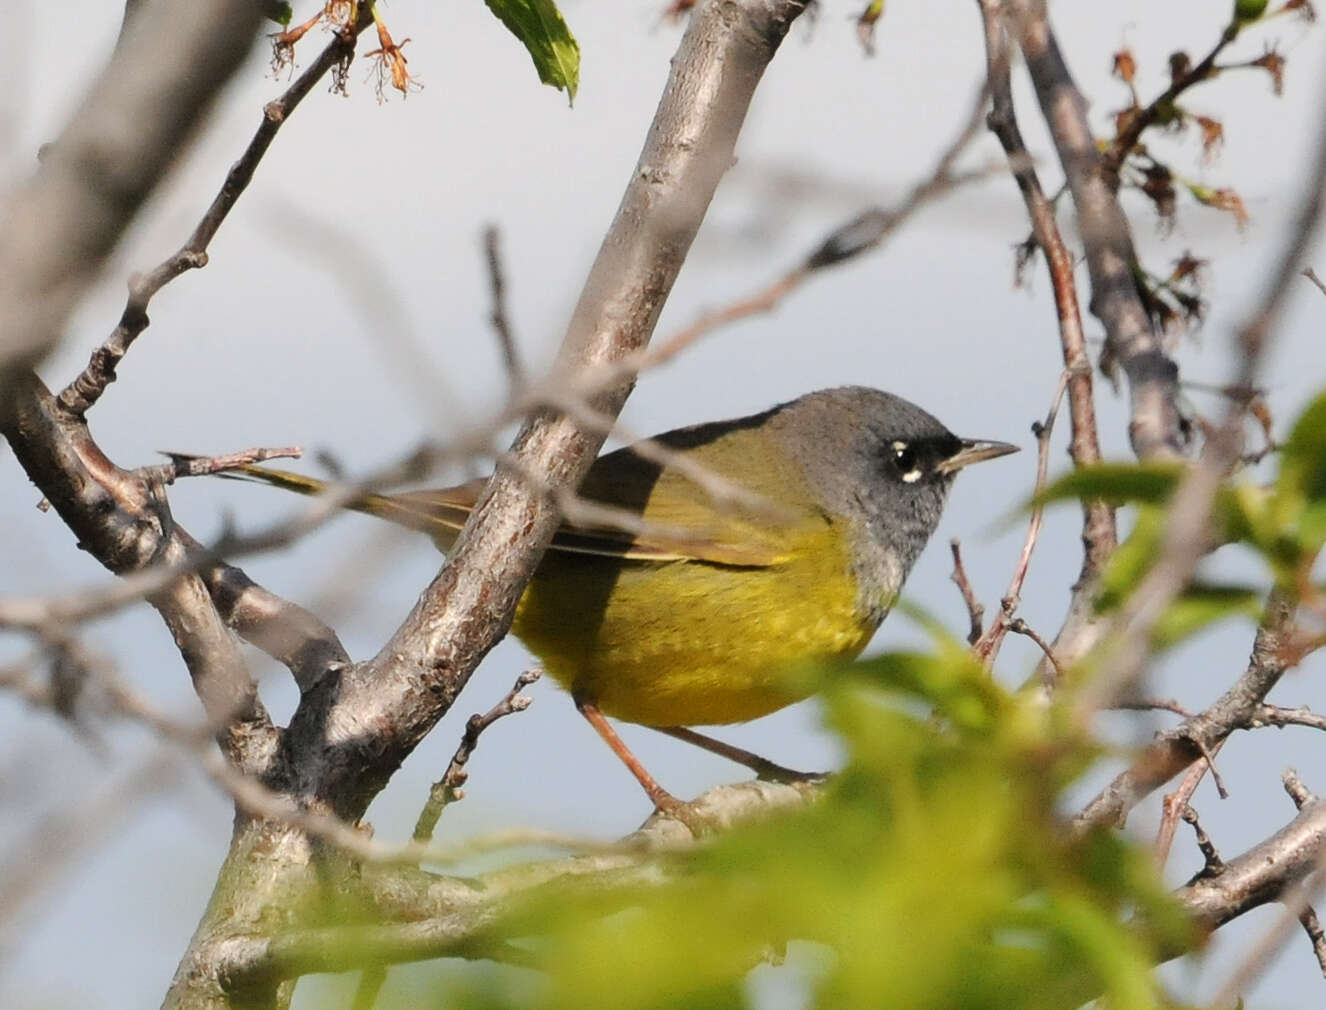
point(441, 519)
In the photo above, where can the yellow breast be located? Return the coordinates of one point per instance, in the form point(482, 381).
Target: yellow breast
point(693, 643)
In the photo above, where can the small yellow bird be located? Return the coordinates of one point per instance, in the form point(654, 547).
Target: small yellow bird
point(695, 619)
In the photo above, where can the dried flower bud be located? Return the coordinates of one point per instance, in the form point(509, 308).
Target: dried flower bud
point(865, 25)
point(1213, 135)
point(1179, 64)
point(1185, 267)
point(1221, 199)
point(1159, 188)
point(1125, 67)
point(1274, 64)
point(1305, 9)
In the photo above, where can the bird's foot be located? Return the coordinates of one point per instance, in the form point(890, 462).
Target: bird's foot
point(669, 806)
point(769, 771)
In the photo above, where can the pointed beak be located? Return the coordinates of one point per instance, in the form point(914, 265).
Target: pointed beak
point(973, 451)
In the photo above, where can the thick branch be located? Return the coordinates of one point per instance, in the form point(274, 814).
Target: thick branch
point(354, 735)
point(123, 521)
point(1263, 873)
point(167, 69)
point(424, 916)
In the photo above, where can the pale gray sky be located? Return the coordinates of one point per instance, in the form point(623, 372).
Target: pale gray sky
point(280, 341)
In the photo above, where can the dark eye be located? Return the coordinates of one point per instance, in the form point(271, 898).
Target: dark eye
point(905, 461)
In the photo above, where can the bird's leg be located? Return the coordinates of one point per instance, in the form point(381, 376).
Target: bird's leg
point(762, 767)
point(661, 798)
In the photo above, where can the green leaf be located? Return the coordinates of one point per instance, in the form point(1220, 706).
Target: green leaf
point(1303, 457)
point(539, 26)
point(278, 11)
point(1116, 483)
point(1132, 559)
point(1203, 604)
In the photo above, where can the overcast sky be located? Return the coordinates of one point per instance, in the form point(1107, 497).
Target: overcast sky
point(345, 309)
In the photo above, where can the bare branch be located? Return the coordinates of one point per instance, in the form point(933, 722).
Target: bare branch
point(1142, 119)
point(1186, 538)
point(79, 396)
point(975, 612)
point(1099, 534)
point(1212, 864)
point(988, 646)
point(1297, 791)
point(167, 68)
point(288, 633)
point(1157, 427)
point(1311, 275)
point(1201, 734)
point(1176, 803)
point(1020, 627)
point(1261, 875)
point(448, 788)
point(515, 373)
point(1276, 715)
point(457, 918)
point(1316, 936)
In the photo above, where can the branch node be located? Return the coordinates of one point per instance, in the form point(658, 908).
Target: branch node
point(1298, 792)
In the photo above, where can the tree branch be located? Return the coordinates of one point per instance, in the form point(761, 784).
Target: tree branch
point(79, 396)
point(1099, 533)
point(1204, 733)
point(1157, 427)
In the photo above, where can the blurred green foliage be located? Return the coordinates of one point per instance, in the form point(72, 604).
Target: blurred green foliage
point(932, 873)
point(1282, 523)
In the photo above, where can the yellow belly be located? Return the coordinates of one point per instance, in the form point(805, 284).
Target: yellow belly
point(690, 643)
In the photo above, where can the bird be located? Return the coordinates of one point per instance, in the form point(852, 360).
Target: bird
point(693, 613)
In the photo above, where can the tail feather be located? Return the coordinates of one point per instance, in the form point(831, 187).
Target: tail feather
point(403, 510)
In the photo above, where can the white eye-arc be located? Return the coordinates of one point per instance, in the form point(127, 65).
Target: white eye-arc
point(905, 460)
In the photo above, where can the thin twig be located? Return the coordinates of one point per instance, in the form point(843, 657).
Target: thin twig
point(79, 396)
point(975, 611)
point(1099, 533)
point(1212, 864)
point(1151, 705)
point(1020, 627)
point(1142, 119)
point(506, 340)
point(1157, 426)
point(1277, 715)
point(1312, 926)
point(1298, 792)
point(182, 465)
point(1173, 806)
point(988, 646)
point(448, 788)
point(1297, 899)
point(1311, 275)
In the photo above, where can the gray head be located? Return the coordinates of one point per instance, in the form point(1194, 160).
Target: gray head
point(884, 464)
